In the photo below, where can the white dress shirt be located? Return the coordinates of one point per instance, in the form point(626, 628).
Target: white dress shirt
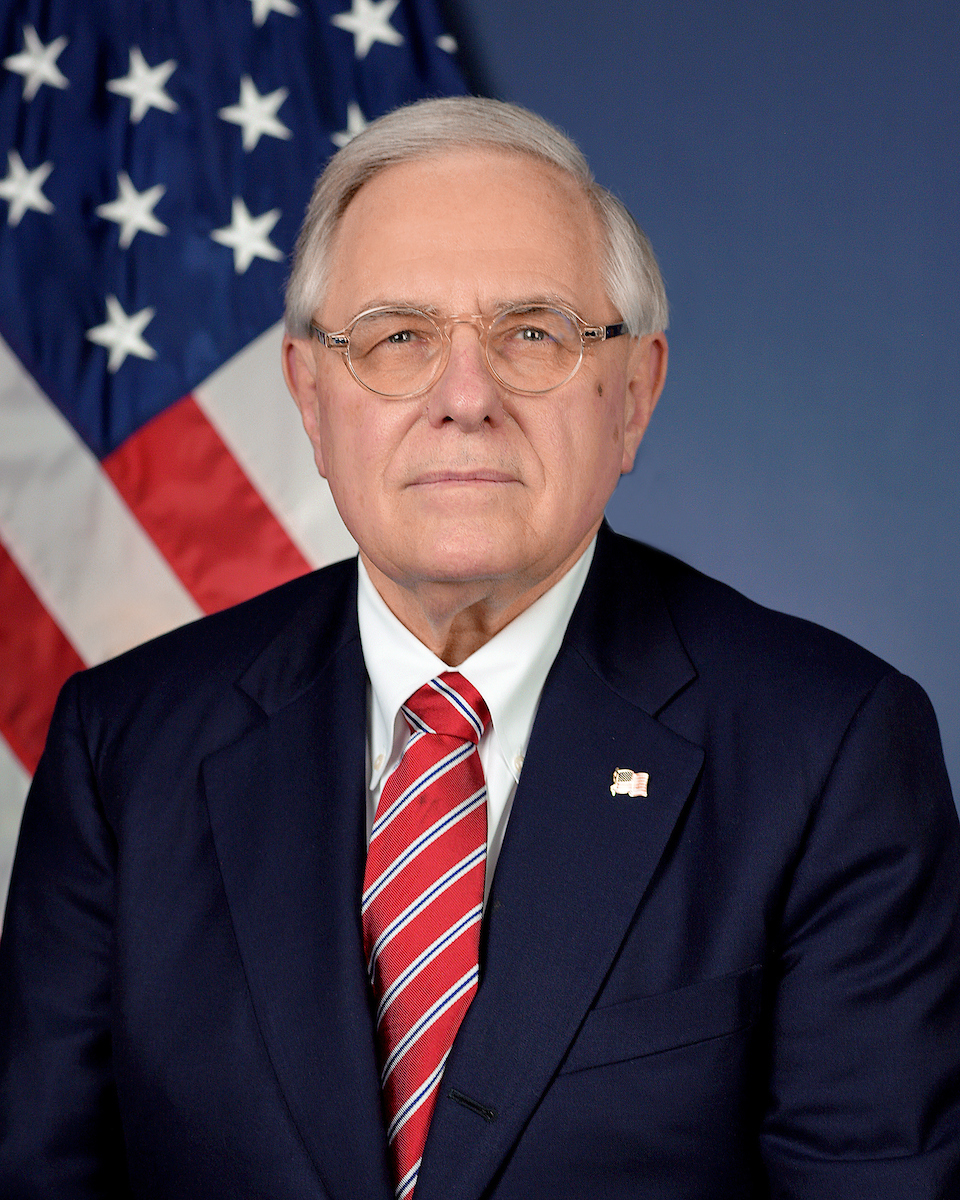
point(509, 672)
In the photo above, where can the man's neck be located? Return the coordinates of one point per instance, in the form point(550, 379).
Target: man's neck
point(453, 619)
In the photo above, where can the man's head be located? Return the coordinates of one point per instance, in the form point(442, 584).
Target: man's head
point(469, 497)
point(433, 127)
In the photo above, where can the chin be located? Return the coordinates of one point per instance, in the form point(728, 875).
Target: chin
point(461, 559)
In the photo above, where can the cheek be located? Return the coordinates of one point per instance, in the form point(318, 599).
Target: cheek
point(617, 431)
point(343, 445)
point(591, 442)
point(362, 443)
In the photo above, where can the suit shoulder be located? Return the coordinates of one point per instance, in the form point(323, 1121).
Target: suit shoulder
point(726, 634)
point(769, 696)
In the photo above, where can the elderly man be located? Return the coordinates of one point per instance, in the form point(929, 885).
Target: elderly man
point(516, 859)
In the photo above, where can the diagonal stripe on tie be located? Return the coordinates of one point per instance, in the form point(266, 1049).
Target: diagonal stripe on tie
point(422, 843)
point(426, 958)
point(413, 789)
point(428, 1020)
point(422, 904)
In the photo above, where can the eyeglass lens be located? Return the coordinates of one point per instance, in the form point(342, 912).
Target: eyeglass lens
point(528, 349)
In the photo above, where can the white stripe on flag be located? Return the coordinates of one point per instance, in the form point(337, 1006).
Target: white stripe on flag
point(14, 782)
point(248, 404)
point(87, 558)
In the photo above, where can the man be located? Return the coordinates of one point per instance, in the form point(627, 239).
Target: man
point(713, 847)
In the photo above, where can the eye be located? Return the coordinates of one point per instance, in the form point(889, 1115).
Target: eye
point(530, 328)
point(385, 331)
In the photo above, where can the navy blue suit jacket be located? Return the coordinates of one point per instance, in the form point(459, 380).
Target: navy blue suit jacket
point(745, 985)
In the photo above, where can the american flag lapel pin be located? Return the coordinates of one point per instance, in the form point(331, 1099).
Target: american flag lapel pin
point(629, 783)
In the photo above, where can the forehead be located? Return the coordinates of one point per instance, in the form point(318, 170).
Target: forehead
point(464, 229)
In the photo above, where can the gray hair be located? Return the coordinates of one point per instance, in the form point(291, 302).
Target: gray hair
point(430, 127)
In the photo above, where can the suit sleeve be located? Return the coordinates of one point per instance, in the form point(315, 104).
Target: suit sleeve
point(59, 1123)
point(864, 1096)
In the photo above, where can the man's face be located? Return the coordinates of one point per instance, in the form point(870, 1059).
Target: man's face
point(469, 481)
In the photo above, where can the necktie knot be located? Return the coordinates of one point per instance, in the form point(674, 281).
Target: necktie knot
point(448, 705)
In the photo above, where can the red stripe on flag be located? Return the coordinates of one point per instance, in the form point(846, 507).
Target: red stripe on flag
point(35, 661)
point(189, 493)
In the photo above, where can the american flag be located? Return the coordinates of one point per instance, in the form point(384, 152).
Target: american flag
point(158, 156)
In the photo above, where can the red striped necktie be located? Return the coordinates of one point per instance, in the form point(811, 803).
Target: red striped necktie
point(422, 904)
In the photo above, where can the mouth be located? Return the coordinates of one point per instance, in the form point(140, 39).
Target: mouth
point(470, 475)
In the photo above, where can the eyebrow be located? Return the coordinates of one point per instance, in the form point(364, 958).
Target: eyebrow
point(395, 305)
point(544, 300)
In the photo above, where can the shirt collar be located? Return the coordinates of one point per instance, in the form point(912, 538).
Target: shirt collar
point(509, 670)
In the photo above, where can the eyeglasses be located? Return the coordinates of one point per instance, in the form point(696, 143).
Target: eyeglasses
point(400, 352)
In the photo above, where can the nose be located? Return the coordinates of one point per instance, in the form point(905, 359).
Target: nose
point(465, 393)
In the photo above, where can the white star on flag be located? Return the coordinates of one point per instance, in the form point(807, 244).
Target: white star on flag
point(121, 334)
point(133, 210)
point(248, 236)
point(145, 86)
point(356, 123)
point(263, 8)
point(256, 114)
point(369, 22)
point(446, 43)
point(37, 63)
point(22, 188)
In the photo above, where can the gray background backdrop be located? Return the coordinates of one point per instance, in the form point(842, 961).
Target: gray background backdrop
point(796, 168)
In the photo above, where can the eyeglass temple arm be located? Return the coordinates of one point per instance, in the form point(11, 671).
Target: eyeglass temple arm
point(337, 341)
point(600, 333)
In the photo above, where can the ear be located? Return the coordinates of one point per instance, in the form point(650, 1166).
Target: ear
point(300, 372)
point(647, 372)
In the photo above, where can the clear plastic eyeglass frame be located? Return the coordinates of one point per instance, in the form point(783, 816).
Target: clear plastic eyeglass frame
point(588, 335)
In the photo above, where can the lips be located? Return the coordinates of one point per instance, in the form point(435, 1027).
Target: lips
point(469, 475)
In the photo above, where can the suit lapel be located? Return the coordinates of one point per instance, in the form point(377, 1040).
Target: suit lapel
point(286, 803)
point(573, 869)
